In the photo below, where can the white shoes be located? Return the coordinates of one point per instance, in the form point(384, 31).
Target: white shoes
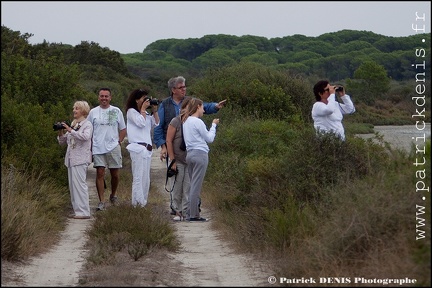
point(178, 218)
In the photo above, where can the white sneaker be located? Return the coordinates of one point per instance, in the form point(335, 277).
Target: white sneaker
point(101, 206)
point(177, 218)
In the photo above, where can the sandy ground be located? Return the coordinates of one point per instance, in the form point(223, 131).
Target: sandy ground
point(203, 259)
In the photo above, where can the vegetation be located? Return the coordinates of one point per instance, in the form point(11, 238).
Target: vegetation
point(335, 207)
point(317, 207)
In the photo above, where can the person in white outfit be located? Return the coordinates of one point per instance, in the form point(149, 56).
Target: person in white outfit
point(139, 124)
point(78, 156)
point(327, 112)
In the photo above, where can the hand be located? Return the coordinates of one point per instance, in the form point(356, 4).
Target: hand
point(216, 121)
point(145, 105)
point(221, 104)
point(163, 153)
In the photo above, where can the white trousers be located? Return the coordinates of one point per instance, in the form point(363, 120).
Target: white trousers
point(77, 176)
point(141, 162)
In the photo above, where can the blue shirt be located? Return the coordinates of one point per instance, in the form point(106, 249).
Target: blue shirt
point(159, 135)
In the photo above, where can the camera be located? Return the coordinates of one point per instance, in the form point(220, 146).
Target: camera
point(58, 126)
point(171, 172)
point(339, 89)
point(153, 102)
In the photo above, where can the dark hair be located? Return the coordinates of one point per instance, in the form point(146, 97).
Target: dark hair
point(133, 96)
point(104, 89)
point(319, 88)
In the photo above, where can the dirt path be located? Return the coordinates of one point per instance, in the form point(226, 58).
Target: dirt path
point(204, 259)
point(61, 265)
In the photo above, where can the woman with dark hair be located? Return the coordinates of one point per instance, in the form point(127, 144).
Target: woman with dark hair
point(139, 123)
point(327, 112)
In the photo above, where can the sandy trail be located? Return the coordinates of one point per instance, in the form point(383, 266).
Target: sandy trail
point(205, 259)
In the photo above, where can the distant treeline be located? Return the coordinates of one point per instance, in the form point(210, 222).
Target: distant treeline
point(39, 83)
point(334, 56)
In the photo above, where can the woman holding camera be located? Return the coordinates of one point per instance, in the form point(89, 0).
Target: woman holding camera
point(327, 113)
point(78, 156)
point(139, 123)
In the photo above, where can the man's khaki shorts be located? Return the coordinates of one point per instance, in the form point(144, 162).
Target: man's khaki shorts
point(112, 159)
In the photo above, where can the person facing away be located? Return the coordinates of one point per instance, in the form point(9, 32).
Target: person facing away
point(181, 184)
point(109, 130)
point(197, 136)
point(78, 156)
point(327, 112)
point(170, 108)
point(139, 123)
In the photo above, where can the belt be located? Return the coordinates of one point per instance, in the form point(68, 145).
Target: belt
point(148, 146)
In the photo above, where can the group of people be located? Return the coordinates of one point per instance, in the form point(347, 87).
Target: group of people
point(95, 135)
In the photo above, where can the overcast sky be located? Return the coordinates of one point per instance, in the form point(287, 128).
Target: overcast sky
point(129, 26)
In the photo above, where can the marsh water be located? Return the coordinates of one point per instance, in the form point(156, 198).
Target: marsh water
point(402, 137)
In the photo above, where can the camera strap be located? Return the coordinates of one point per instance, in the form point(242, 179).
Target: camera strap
point(175, 176)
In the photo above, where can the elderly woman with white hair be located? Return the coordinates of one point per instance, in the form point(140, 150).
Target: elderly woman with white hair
point(78, 137)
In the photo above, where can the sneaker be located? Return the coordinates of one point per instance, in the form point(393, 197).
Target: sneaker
point(101, 206)
point(177, 218)
point(113, 200)
point(198, 219)
point(81, 217)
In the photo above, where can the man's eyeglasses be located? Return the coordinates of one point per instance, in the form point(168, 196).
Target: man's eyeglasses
point(327, 89)
point(181, 87)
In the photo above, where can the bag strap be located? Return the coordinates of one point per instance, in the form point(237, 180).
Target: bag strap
point(166, 181)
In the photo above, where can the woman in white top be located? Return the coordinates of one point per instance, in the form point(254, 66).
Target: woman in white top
point(196, 137)
point(327, 113)
point(139, 123)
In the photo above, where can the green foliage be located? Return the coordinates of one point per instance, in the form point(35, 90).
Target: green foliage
point(287, 189)
point(284, 188)
point(350, 48)
point(214, 58)
point(257, 91)
point(13, 42)
point(370, 80)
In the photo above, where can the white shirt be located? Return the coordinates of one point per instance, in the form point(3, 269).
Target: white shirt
point(328, 117)
point(196, 135)
point(139, 129)
point(106, 125)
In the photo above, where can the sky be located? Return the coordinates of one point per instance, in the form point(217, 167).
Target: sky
point(129, 26)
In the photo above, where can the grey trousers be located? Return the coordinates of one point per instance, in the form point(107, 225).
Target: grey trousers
point(197, 162)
